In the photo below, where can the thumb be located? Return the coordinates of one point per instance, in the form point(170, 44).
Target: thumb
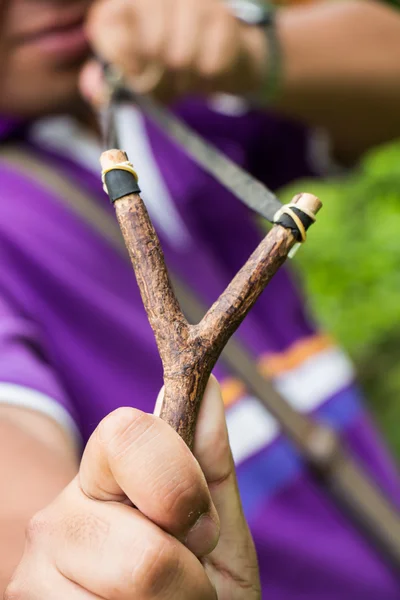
point(232, 566)
point(234, 558)
point(211, 445)
point(213, 452)
point(136, 458)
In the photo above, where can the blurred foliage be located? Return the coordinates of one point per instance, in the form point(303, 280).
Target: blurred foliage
point(351, 270)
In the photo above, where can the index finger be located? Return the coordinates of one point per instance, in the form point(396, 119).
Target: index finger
point(136, 456)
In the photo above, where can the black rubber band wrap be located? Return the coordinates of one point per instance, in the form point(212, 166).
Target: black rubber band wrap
point(286, 220)
point(120, 182)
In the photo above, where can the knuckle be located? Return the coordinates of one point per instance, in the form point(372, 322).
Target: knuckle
point(14, 591)
point(185, 497)
point(222, 454)
point(179, 61)
point(152, 47)
point(37, 528)
point(223, 12)
point(208, 70)
point(222, 16)
point(158, 567)
point(18, 587)
point(119, 429)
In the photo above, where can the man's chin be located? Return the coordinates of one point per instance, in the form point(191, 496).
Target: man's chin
point(49, 100)
point(30, 90)
point(73, 104)
point(62, 93)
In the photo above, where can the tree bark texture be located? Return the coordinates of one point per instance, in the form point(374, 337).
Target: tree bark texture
point(189, 352)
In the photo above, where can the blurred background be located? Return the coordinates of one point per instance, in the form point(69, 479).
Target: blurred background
point(351, 273)
point(85, 350)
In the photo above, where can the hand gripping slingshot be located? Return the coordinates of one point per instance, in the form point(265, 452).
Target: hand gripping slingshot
point(190, 351)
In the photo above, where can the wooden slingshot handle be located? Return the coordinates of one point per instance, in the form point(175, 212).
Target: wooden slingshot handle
point(189, 352)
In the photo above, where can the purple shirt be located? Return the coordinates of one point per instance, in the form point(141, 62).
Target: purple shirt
point(75, 342)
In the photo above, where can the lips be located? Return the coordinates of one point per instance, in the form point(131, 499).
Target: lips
point(57, 32)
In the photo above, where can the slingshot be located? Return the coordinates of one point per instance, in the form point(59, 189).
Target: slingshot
point(190, 351)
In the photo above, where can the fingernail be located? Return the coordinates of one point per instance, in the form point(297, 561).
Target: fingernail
point(159, 403)
point(203, 537)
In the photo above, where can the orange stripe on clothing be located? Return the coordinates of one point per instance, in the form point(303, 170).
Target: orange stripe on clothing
point(272, 365)
point(232, 390)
